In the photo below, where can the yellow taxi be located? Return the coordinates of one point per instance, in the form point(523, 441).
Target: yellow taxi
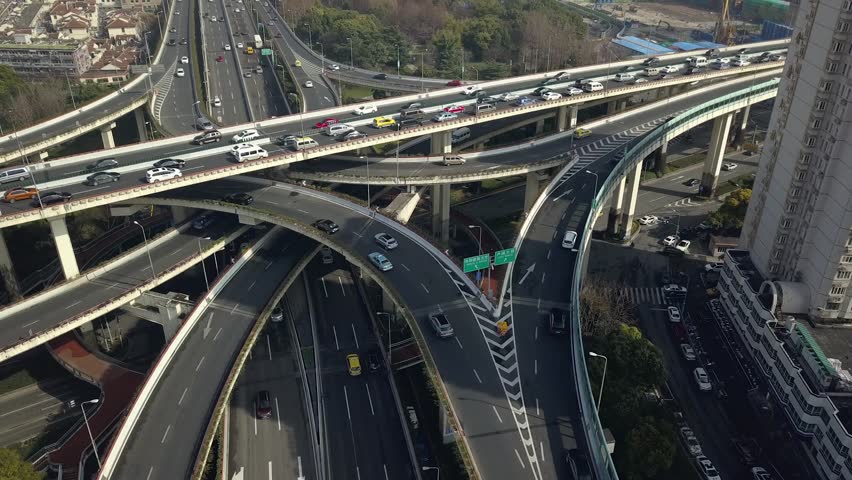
point(381, 122)
point(298, 63)
point(354, 364)
point(249, 51)
point(582, 132)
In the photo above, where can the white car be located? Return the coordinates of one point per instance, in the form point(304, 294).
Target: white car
point(471, 90)
point(380, 261)
point(386, 241)
point(444, 116)
point(365, 109)
point(683, 245)
point(569, 239)
point(688, 351)
point(239, 146)
point(729, 166)
point(673, 289)
point(240, 45)
point(674, 314)
point(648, 220)
point(212, 18)
point(740, 63)
point(670, 69)
point(228, 47)
point(551, 96)
point(184, 59)
point(334, 67)
point(159, 174)
point(507, 97)
point(309, 84)
point(670, 241)
point(702, 379)
point(691, 442)
point(714, 267)
point(179, 72)
point(217, 102)
point(245, 136)
point(573, 91)
point(707, 468)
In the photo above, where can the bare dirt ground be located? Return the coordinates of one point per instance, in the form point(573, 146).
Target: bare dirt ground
point(679, 16)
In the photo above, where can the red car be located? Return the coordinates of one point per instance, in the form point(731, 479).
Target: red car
point(454, 83)
point(454, 109)
point(220, 59)
point(325, 123)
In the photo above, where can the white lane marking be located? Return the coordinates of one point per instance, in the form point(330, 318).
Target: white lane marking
point(78, 302)
point(405, 267)
point(255, 421)
point(346, 397)
point(536, 329)
point(519, 459)
point(537, 410)
point(459, 342)
point(386, 471)
point(342, 290)
point(31, 323)
point(658, 198)
point(539, 303)
point(548, 254)
point(355, 335)
point(270, 470)
point(477, 375)
point(199, 364)
point(150, 471)
point(336, 344)
point(217, 334)
point(358, 472)
point(182, 395)
point(235, 308)
point(541, 448)
point(251, 286)
point(424, 288)
point(497, 413)
point(535, 367)
point(325, 290)
point(269, 347)
point(166, 433)
point(370, 399)
point(268, 265)
point(543, 276)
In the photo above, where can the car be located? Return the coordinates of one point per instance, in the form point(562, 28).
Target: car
point(412, 106)
point(263, 404)
point(720, 63)
point(325, 123)
point(382, 122)
point(693, 71)
point(354, 135)
point(238, 198)
point(96, 179)
point(203, 124)
point(220, 59)
point(692, 182)
point(286, 140)
point(507, 97)
point(217, 102)
point(573, 91)
point(444, 116)
point(353, 364)
point(365, 109)
point(441, 325)
point(326, 226)
point(381, 76)
point(202, 222)
point(651, 61)
point(551, 96)
point(714, 267)
point(52, 198)
point(212, 18)
point(173, 30)
point(240, 45)
point(683, 245)
point(180, 73)
point(639, 80)
point(258, 69)
point(309, 84)
point(245, 135)
point(674, 290)
point(688, 352)
point(170, 163)
point(183, 41)
point(380, 261)
point(569, 239)
point(579, 464)
point(171, 42)
point(671, 252)
point(674, 314)
point(386, 241)
point(557, 321)
point(278, 35)
point(270, 23)
point(103, 164)
point(334, 67)
point(691, 442)
point(454, 83)
point(326, 256)
point(760, 473)
point(729, 166)
point(177, 12)
point(15, 194)
point(670, 69)
point(410, 122)
point(247, 74)
point(562, 76)
point(471, 90)
point(184, 59)
point(210, 136)
point(454, 109)
point(702, 379)
point(707, 468)
point(277, 315)
point(670, 241)
point(777, 57)
point(648, 220)
point(374, 360)
point(582, 132)
point(523, 101)
point(298, 63)
point(550, 81)
point(159, 174)
point(227, 47)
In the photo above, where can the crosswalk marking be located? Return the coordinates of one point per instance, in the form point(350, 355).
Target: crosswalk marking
point(640, 295)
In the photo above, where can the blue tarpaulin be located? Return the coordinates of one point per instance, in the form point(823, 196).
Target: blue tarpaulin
point(642, 46)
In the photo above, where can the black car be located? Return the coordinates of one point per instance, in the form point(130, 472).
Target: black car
point(238, 198)
point(671, 252)
point(183, 41)
point(104, 164)
point(170, 163)
point(381, 76)
point(562, 75)
point(96, 179)
point(172, 42)
point(374, 360)
point(712, 53)
point(541, 91)
point(651, 61)
point(692, 182)
point(210, 136)
point(550, 80)
point(286, 140)
point(326, 226)
point(263, 404)
point(410, 122)
point(202, 222)
point(558, 321)
point(52, 198)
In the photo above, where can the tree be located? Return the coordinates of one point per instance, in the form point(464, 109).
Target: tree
point(448, 49)
point(13, 467)
point(635, 357)
point(650, 448)
point(602, 310)
point(731, 214)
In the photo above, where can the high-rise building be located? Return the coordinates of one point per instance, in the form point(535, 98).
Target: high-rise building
point(798, 224)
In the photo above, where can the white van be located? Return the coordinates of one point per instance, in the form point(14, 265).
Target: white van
point(17, 174)
point(652, 71)
point(624, 77)
point(460, 135)
point(698, 61)
point(336, 129)
point(593, 86)
point(302, 143)
point(249, 152)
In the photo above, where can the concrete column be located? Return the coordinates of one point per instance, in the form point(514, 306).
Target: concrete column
point(622, 105)
point(740, 127)
point(64, 248)
point(8, 269)
point(611, 107)
point(561, 118)
point(442, 142)
point(441, 211)
point(139, 115)
point(539, 127)
point(631, 194)
point(572, 119)
point(617, 202)
point(660, 157)
point(715, 154)
point(106, 135)
point(180, 214)
point(532, 190)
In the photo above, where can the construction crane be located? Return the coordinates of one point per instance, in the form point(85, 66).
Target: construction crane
point(726, 32)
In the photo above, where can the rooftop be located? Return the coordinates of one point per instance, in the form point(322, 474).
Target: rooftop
point(39, 46)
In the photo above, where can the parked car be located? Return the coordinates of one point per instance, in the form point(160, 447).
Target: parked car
point(683, 245)
point(386, 241)
point(238, 198)
point(729, 166)
point(674, 314)
point(688, 352)
point(707, 468)
point(96, 179)
point(648, 220)
point(714, 267)
point(16, 194)
point(380, 261)
point(691, 442)
point(702, 379)
point(326, 226)
point(670, 241)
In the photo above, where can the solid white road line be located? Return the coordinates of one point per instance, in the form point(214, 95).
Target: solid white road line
point(346, 397)
point(497, 413)
point(355, 335)
point(477, 375)
point(323, 287)
point(370, 399)
point(405, 267)
point(336, 343)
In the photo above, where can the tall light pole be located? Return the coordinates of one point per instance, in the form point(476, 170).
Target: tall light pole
point(426, 469)
point(594, 192)
point(147, 248)
point(397, 63)
point(310, 37)
point(322, 55)
point(203, 268)
point(351, 61)
point(600, 393)
point(421, 68)
point(86, 419)
point(480, 235)
point(367, 158)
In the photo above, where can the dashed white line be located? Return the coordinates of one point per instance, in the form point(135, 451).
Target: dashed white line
point(405, 267)
point(182, 395)
point(277, 414)
point(199, 364)
point(166, 433)
point(386, 471)
point(325, 290)
point(537, 410)
point(346, 397)
point(270, 470)
point(535, 367)
point(340, 280)
point(478, 379)
point(217, 334)
point(536, 332)
point(78, 302)
point(497, 413)
point(543, 276)
point(424, 288)
point(459, 342)
point(370, 399)
point(150, 471)
point(269, 347)
point(334, 330)
point(251, 286)
point(519, 459)
point(354, 335)
point(548, 254)
point(541, 448)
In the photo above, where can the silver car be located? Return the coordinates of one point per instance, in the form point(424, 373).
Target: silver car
point(386, 241)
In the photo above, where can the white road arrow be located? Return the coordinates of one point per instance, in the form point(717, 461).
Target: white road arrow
point(527, 274)
point(207, 328)
point(238, 475)
point(563, 194)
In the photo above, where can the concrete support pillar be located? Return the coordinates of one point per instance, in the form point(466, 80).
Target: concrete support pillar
point(740, 127)
point(572, 118)
point(715, 154)
point(566, 117)
point(622, 105)
point(64, 248)
point(139, 115)
point(441, 211)
point(106, 135)
point(539, 127)
point(617, 203)
point(630, 196)
point(8, 269)
point(442, 142)
point(660, 157)
point(180, 214)
point(532, 190)
point(611, 107)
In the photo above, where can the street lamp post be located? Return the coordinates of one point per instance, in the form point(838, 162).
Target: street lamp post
point(147, 248)
point(594, 192)
point(426, 469)
point(351, 61)
point(378, 314)
point(480, 235)
point(397, 63)
point(322, 56)
point(86, 419)
point(600, 393)
point(203, 268)
point(310, 37)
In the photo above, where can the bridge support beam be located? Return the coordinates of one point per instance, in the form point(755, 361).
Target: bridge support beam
point(106, 135)
point(660, 157)
point(442, 142)
point(715, 154)
point(180, 214)
point(617, 202)
point(139, 115)
point(532, 191)
point(740, 127)
point(539, 127)
point(441, 212)
point(8, 269)
point(566, 117)
point(631, 194)
point(64, 248)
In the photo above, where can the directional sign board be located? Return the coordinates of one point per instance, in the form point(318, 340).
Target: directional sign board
point(479, 262)
point(503, 257)
point(266, 51)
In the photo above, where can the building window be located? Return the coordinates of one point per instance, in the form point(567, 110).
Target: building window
point(811, 141)
point(832, 306)
point(791, 208)
point(806, 158)
point(843, 275)
point(794, 192)
point(777, 254)
point(774, 268)
point(831, 67)
point(786, 222)
point(781, 239)
point(843, 27)
point(846, 259)
point(837, 46)
point(847, 5)
point(837, 291)
point(801, 175)
point(817, 123)
point(820, 106)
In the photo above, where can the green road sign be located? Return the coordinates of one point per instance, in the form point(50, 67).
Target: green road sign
point(503, 257)
point(265, 51)
point(479, 262)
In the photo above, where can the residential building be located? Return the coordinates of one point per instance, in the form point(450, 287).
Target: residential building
point(46, 58)
point(800, 215)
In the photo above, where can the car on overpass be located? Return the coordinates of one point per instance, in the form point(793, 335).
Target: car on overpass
point(170, 163)
point(365, 109)
point(582, 132)
point(104, 164)
point(52, 198)
point(210, 136)
point(386, 241)
point(507, 97)
point(454, 108)
point(240, 198)
point(245, 136)
point(98, 178)
point(326, 226)
point(471, 90)
point(380, 261)
point(382, 122)
point(573, 91)
point(16, 194)
point(162, 173)
point(325, 123)
point(444, 116)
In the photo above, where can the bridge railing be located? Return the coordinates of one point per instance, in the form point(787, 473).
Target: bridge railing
point(633, 153)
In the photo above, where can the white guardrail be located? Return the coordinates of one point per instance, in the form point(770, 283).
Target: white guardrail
point(156, 373)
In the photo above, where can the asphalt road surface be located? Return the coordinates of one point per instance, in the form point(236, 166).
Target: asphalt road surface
point(224, 75)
